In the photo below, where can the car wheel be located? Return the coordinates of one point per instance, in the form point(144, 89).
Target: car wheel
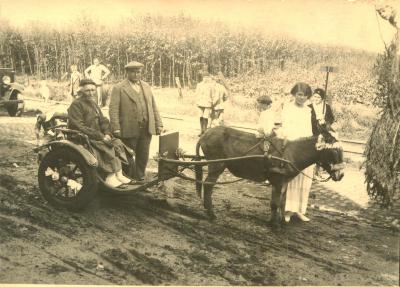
point(66, 180)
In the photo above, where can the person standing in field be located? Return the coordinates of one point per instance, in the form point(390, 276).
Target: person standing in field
point(220, 96)
point(74, 81)
point(134, 116)
point(266, 121)
point(97, 73)
point(296, 123)
point(321, 112)
point(322, 118)
point(205, 93)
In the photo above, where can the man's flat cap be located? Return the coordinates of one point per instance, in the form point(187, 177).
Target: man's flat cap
point(85, 82)
point(133, 65)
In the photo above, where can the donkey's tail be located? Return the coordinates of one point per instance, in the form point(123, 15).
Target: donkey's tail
point(198, 171)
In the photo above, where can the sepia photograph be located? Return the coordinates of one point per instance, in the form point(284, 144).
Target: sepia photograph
point(200, 142)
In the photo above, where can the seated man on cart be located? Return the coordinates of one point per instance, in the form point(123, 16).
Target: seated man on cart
point(85, 116)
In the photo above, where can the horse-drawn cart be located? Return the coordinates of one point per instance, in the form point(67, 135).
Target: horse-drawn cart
point(68, 174)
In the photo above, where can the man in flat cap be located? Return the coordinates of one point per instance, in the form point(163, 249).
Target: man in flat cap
point(85, 116)
point(134, 116)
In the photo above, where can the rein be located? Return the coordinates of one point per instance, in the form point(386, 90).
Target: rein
point(335, 167)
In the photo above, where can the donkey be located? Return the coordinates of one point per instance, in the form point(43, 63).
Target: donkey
point(283, 162)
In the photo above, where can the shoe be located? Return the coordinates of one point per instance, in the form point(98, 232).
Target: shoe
point(302, 217)
point(112, 180)
point(288, 215)
point(122, 178)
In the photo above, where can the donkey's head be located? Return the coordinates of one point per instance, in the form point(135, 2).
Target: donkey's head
point(330, 155)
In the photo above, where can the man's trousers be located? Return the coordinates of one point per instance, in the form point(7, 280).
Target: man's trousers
point(141, 146)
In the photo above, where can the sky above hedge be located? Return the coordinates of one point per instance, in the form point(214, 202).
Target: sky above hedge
point(351, 23)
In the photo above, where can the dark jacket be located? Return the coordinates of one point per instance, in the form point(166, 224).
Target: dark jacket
point(329, 119)
point(124, 109)
point(84, 115)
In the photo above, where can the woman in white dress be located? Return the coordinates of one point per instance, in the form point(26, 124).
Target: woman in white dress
point(296, 123)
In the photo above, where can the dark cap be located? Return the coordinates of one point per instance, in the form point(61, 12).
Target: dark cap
point(134, 66)
point(266, 100)
point(85, 82)
point(320, 92)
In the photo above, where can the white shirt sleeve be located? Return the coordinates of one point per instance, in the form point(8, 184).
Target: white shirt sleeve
point(266, 121)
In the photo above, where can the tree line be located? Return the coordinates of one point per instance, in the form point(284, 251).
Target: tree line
point(169, 47)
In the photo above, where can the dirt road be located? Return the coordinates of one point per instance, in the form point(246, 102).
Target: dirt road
point(162, 237)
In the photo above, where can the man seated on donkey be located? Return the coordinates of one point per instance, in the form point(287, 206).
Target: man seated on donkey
point(85, 116)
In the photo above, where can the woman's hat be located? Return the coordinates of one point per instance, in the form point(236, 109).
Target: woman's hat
point(320, 92)
point(266, 100)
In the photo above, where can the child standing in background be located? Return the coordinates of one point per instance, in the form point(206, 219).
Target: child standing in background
point(266, 122)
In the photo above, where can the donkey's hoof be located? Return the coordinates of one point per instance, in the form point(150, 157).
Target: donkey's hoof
point(211, 216)
point(276, 226)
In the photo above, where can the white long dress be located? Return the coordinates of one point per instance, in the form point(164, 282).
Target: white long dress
point(296, 123)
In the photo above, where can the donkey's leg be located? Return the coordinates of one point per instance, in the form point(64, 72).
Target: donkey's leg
point(214, 171)
point(275, 205)
point(283, 201)
point(199, 177)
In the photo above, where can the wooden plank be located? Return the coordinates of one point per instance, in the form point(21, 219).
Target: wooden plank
point(168, 145)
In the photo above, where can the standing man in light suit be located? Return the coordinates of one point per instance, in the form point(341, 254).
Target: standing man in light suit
point(134, 116)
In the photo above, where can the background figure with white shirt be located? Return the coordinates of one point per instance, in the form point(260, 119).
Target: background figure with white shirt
point(134, 116)
point(266, 121)
point(97, 73)
point(74, 80)
point(221, 94)
point(296, 123)
point(205, 94)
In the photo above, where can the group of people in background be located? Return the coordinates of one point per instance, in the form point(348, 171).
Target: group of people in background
point(96, 72)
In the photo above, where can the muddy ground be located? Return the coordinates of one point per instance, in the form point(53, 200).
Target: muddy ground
point(161, 236)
